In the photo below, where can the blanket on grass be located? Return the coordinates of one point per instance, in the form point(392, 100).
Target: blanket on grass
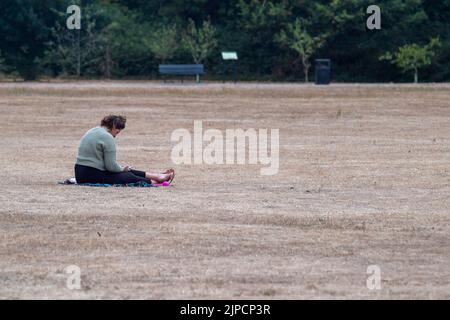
point(140, 184)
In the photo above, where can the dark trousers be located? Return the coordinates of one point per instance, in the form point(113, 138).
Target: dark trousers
point(84, 174)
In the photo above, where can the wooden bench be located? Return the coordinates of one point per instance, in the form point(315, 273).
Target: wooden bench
point(182, 69)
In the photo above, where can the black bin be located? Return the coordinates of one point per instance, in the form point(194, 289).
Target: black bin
point(323, 71)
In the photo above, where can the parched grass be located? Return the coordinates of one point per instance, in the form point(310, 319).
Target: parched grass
point(363, 181)
point(252, 90)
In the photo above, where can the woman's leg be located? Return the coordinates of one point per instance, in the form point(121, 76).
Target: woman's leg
point(85, 174)
point(124, 178)
point(155, 177)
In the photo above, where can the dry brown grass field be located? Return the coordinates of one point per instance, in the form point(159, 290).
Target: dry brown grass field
point(364, 179)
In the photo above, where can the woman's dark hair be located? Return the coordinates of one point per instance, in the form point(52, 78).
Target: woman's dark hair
point(113, 121)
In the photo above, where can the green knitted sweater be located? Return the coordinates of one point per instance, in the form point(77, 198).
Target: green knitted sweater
point(97, 149)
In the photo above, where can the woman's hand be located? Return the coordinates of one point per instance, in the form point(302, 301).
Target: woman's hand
point(127, 168)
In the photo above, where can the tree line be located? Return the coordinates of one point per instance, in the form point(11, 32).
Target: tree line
point(275, 40)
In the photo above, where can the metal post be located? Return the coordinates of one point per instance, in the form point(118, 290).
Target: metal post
point(224, 71)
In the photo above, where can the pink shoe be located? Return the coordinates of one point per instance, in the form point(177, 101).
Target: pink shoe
point(164, 184)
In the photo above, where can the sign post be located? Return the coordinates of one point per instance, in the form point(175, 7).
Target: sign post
point(230, 55)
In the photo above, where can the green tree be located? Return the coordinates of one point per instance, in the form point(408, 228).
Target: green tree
point(355, 50)
point(200, 41)
point(253, 29)
point(106, 37)
point(24, 29)
point(68, 51)
point(302, 42)
point(110, 32)
point(412, 57)
point(163, 42)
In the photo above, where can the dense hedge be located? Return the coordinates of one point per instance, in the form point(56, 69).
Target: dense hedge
point(116, 37)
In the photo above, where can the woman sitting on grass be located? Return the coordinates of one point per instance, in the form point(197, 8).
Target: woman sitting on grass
point(96, 160)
